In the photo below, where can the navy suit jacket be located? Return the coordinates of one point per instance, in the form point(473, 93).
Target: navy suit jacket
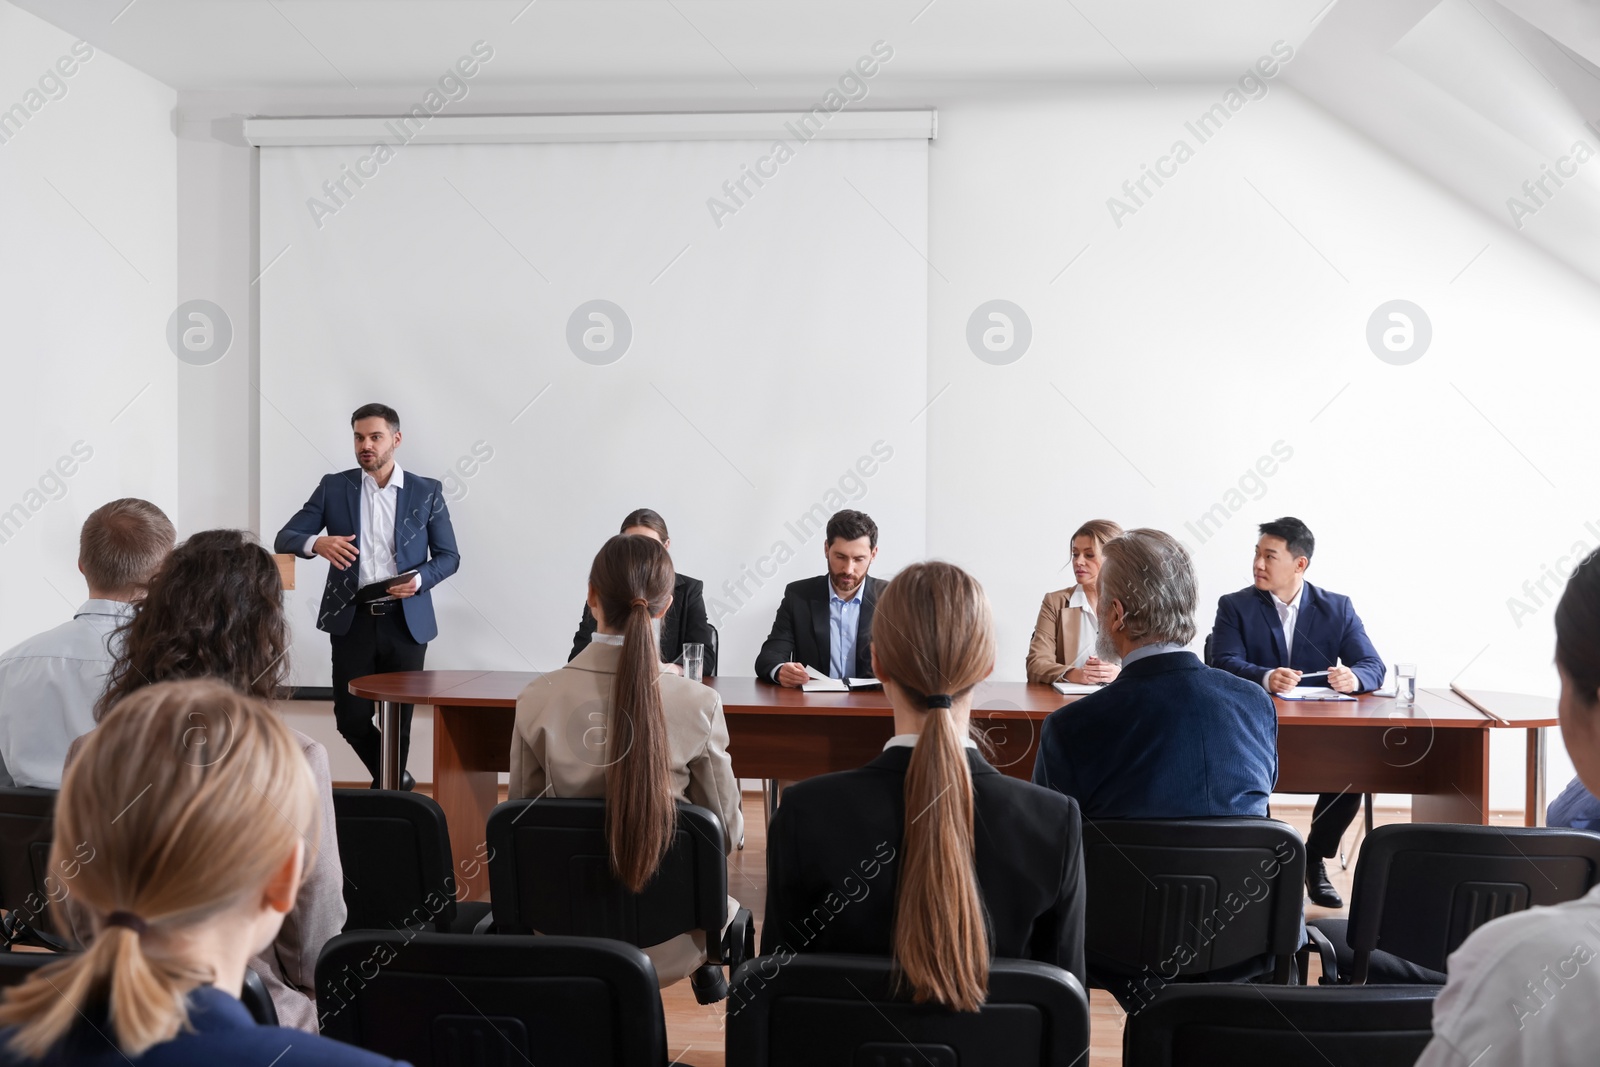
point(223, 1033)
point(423, 539)
point(1170, 739)
point(1247, 639)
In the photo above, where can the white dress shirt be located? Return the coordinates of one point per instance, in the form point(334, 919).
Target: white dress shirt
point(48, 688)
point(1288, 616)
point(1088, 626)
point(910, 741)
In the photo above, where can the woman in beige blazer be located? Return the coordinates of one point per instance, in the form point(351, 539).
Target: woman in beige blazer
point(568, 741)
point(1062, 649)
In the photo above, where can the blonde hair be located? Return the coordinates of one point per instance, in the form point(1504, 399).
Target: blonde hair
point(1097, 530)
point(933, 633)
point(192, 796)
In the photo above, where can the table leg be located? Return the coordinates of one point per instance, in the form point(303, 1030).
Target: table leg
point(388, 745)
point(1533, 814)
point(467, 758)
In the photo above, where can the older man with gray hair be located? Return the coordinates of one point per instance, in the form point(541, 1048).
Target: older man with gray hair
point(1170, 738)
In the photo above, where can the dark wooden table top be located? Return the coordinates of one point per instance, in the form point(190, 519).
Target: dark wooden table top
point(748, 696)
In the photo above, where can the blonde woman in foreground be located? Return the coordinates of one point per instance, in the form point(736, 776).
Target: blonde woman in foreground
point(192, 804)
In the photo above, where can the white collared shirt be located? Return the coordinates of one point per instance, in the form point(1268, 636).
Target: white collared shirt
point(1288, 616)
point(910, 741)
point(1088, 626)
point(375, 559)
point(48, 687)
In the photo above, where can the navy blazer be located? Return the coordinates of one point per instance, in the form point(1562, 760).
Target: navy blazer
point(801, 631)
point(1170, 739)
point(833, 867)
point(1247, 639)
point(423, 540)
point(223, 1033)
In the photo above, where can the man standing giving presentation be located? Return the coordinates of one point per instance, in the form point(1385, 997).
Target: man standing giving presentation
point(826, 622)
point(1284, 630)
point(388, 543)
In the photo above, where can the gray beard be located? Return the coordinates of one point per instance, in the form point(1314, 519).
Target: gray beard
point(1103, 646)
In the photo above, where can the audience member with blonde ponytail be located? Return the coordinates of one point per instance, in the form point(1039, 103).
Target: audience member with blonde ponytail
point(928, 853)
point(196, 805)
point(616, 723)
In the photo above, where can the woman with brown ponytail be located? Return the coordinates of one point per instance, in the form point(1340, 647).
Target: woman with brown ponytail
point(615, 723)
point(182, 831)
point(928, 853)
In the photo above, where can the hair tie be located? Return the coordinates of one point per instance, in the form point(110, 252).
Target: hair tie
point(641, 602)
point(938, 700)
point(128, 920)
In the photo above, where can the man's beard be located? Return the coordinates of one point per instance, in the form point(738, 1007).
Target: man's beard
point(1104, 647)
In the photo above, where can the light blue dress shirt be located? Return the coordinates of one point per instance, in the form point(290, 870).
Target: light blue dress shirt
point(48, 687)
point(844, 616)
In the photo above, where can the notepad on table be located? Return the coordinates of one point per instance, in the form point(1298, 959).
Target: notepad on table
point(1314, 692)
point(1076, 689)
point(817, 682)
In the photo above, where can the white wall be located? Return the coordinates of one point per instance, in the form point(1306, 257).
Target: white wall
point(1195, 336)
point(88, 268)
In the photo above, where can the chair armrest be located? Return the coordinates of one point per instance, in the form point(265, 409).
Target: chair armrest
point(485, 925)
point(1330, 963)
point(739, 939)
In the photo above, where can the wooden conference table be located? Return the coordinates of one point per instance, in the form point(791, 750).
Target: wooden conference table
point(1437, 751)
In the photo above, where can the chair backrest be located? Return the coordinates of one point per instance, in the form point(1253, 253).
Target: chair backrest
point(1422, 888)
point(28, 887)
point(1206, 655)
point(550, 873)
point(456, 999)
point(711, 651)
point(801, 1010)
point(1189, 898)
point(395, 850)
point(1267, 1026)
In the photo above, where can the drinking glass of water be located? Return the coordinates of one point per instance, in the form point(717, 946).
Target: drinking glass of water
point(694, 660)
point(1405, 684)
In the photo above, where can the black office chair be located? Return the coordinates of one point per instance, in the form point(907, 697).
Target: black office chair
point(398, 870)
point(1422, 888)
point(1173, 900)
point(550, 873)
point(1267, 1026)
point(711, 652)
point(15, 967)
point(29, 889)
point(803, 1010)
point(450, 999)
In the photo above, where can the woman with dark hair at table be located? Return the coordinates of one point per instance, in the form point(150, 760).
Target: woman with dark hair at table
point(615, 723)
point(928, 854)
point(685, 621)
point(1523, 988)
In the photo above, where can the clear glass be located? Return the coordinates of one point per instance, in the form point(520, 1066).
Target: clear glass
point(1405, 684)
point(693, 659)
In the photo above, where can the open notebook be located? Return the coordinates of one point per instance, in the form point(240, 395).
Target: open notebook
point(817, 682)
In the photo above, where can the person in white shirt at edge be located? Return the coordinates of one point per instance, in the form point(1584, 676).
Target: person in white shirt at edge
point(50, 682)
point(1524, 989)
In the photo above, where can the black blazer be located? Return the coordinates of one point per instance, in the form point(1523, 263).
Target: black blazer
point(800, 630)
point(683, 624)
point(835, 841)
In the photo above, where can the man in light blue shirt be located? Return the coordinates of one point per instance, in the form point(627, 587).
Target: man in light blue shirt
point(50, 682)
point(825, 623)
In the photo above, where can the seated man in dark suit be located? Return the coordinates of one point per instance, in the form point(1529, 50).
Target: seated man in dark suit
point(1282, 629)
point(685, 621)
point(1170, 738)
point(826, 622)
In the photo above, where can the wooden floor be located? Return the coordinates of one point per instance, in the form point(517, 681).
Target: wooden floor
point(694, 1031)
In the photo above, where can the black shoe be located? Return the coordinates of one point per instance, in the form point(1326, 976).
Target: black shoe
point(1318, 888)
point(407, 782)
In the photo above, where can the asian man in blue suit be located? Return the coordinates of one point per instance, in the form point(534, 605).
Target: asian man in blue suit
point(1170, 738)
point(382, 523)
point(1282, 629)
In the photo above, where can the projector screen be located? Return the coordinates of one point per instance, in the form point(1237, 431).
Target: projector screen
point(573, 331)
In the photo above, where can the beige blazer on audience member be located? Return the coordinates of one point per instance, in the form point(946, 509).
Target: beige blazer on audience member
point(288, 966)
point(1063, 637)
point(558, 750)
